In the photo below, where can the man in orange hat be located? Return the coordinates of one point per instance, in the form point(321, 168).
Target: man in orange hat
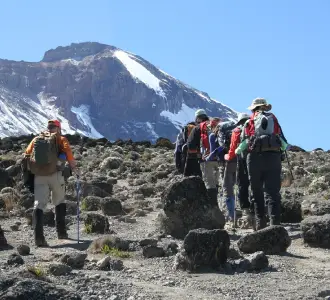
point(46, 155)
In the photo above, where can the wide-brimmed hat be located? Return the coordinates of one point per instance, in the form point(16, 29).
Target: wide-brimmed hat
point(260, 102)
point(241, 117)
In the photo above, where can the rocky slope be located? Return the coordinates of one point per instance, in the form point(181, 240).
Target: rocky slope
point(98, 90)
point(126, 251)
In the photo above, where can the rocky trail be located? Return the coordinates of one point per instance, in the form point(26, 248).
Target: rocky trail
point(140, 238)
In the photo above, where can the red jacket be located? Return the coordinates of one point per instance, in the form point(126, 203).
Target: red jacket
point(234, 142)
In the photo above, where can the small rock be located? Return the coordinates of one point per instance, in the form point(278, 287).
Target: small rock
point(104, 263)
point(148, 242)
point(58, 269)
point(116, 265)
point(23, 249)
point(258, 261)
point(74, 260)
point(15, 259)
point(153, 251)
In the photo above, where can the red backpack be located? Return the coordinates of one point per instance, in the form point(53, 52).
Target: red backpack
point(205, 132)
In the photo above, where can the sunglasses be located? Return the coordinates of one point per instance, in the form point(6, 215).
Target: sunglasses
point(52, 126)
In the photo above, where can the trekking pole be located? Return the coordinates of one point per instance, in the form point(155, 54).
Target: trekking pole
point(78, 206)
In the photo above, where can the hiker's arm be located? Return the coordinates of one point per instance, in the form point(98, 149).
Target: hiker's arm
point(241, 147)
point(234, 142)
point(65, 147)
point(29, 148)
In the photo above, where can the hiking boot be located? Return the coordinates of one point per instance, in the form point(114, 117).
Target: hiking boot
point(213, 196)
point(261, 223)
point(60, 213)
point(3, 241)
point(38, 226)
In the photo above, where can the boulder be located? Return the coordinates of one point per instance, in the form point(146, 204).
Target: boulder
point(96, 223)
point(313, 206)
point(290, 211)
point(204, 248)
point(271, 240)
point(316, 231)
point(111, 207)
point(187, 207)
point(18, 288)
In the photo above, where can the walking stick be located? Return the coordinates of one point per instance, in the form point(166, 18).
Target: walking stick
point(78, 205)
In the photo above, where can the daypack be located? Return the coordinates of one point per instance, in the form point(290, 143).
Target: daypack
point(224, 135)
point(44, 155)
point(181, 153)
point(263, 132)
point(205, 133)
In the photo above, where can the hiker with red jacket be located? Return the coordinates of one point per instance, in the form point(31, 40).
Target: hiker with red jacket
point(242, 178)
point(199, 151)
point(45, 156)
point(263, 138)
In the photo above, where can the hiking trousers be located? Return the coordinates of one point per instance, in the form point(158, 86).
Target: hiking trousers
point(192, 167)
point(211, 173)
point(243, 183)
point(229, 179)
point(265, 179)
point(44, 185)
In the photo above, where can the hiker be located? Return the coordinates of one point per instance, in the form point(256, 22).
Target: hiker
point(192, 167)
point(199, 146)
point(46, 155)
point(227, 168)
point(242, 177)
point(262, 137)
point(180, 152)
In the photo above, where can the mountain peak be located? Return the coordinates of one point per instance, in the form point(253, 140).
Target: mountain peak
point(76, 51)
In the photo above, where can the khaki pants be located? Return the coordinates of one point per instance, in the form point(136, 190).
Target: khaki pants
point(211, 173)
point(53, 183)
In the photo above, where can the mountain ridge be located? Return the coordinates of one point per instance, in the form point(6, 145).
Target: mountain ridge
point(98, 90)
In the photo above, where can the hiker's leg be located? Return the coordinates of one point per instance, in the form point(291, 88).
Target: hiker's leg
point(243, 184)
point(41, 198)
point(228, 187)
point(210, 181)
point(192, 168)
point(254, 164)
point(272, 161)
point(57, 185)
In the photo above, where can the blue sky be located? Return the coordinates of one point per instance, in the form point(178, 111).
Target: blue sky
point(233, 50)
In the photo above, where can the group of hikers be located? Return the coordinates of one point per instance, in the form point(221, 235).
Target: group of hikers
point(248, 153)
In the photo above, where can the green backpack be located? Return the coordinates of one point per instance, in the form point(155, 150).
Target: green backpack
point(45, 152)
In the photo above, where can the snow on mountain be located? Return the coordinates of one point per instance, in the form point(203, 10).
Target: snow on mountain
point(139, 72)
point(99, 91)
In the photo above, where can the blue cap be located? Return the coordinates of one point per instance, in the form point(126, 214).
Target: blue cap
point(62, 156)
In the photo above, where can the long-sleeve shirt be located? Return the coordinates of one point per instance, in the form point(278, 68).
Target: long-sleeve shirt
point(234, 142)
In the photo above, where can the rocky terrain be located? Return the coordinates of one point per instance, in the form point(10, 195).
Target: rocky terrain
point(98, 90)
point(148, 233)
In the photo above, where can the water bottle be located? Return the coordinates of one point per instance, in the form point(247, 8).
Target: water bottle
point(61, 160)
